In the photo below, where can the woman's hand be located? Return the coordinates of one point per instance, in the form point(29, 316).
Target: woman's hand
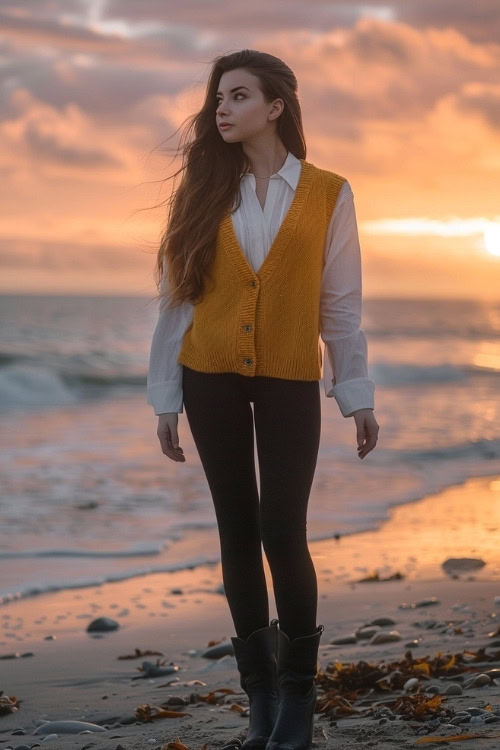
point(366, 430)
point(168, 436)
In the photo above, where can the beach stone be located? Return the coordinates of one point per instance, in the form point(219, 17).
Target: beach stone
point(50, 737)
point(224, 648)
point(496, 601)
point(411, 684)
point(22, 747)
point(102, 624)
point(479, 681)
point(453, 689)
point(176, 700)
point(367, 631)
point(433, 724)
point(412, 644)
point(462, 564)
point(126, 720)
point(491, 719)
point(492, 673)
point(66, 727)
point(342, 640)
point(385, 637)
point(460, 720)
point(382, 621)
point(427, 624)
point(152, 670)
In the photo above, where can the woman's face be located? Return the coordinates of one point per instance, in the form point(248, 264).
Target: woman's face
point(245, 107)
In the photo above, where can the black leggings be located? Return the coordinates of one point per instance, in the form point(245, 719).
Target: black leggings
point(287, 417)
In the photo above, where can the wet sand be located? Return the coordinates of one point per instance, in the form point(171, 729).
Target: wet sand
point(75, 675)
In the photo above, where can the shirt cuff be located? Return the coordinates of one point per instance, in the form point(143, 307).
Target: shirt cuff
point(166, 397)
point(351, 395)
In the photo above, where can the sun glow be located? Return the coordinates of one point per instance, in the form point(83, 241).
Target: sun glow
point(453, 227)
point(492, 239)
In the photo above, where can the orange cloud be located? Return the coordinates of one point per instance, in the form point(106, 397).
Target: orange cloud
point(408, 112)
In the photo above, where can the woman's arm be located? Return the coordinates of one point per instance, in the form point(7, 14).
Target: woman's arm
point(164, 381)
point(345, 366)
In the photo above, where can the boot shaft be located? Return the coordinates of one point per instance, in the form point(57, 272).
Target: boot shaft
point(300, 655)
point(297, 668)
point(256, 656)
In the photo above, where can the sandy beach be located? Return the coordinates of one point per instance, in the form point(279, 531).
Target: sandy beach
point(444, 621)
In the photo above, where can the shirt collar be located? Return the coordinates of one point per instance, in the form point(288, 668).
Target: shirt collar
point(290, 171)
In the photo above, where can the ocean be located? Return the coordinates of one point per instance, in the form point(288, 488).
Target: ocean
point(87, 496)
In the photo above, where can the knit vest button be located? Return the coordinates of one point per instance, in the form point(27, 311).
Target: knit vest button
point(247, 328)
point(253, 283)
point(248, 361)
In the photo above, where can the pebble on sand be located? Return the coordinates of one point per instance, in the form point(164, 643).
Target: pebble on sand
point(102, 624)
point(67, 727)
point(385, 637)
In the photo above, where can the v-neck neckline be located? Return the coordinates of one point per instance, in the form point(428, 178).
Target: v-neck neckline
point(283, 236)
point(261, 207)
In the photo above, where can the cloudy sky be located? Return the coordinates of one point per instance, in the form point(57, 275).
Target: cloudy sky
point(401, 98)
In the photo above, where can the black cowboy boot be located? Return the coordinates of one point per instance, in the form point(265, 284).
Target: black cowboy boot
point(297, 669)
point(256, 661)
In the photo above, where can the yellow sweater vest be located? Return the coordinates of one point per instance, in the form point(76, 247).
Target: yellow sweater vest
point(268, 323)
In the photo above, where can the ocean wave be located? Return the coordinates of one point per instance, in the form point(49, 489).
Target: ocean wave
point(483, 449)
point(395, 373)
point(25, 385)
point(26, 382)
point(45, 588)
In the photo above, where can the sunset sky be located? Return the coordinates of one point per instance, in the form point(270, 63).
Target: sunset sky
point(401, 98)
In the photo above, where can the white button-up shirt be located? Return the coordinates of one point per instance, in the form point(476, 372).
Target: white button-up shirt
point(345, 375)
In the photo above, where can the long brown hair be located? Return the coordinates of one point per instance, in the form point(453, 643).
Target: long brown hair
point(212, 170)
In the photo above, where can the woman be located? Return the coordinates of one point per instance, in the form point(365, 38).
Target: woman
point(261, 256)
